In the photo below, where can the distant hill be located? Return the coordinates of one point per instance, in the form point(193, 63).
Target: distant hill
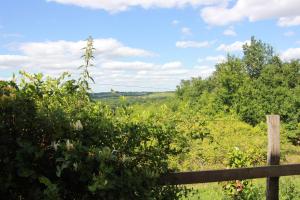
point(114, 98)
point(101, 95)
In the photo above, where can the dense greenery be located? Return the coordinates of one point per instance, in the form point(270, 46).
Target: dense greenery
point(241, 189)
point(253, 86)
point(56, 143)
point(58, 140)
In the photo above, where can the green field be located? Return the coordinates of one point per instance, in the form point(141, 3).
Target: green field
point(129, 98)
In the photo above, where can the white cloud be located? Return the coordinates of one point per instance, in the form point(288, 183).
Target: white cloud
point(289, 21)
point(219, 16)
point(192, 44)
point(252, 10)
point(290, 54)
point(54, 57)
point(118, 65)
point(204, 71)
point(122, 5)
point(209, 61)
point(186, 31)
point(13, 61)
point(158, 77)
point(214, 12)
point(215, 59)
point(172, 65)
point(229, 31)
point(236, 46)
point(104, 48)
point(172, 72)
point(169, 68)
point(289, 33)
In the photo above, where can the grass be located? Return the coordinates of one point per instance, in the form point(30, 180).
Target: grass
point(289, 189)
point(205, 191)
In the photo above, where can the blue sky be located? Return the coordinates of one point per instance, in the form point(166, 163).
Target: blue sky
point(140, 44)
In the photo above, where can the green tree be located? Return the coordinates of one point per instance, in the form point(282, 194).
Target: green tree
point(228, 78)
point(256, 55)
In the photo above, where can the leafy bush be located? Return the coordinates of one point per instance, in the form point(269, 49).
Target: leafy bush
point(293, 133)
point(56, 143)
point(241, 189)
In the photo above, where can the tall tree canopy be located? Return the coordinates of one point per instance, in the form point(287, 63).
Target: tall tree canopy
point(252, 86)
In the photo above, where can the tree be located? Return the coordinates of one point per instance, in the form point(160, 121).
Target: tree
point(191, 89)
point(229, 77)
point(256, 55)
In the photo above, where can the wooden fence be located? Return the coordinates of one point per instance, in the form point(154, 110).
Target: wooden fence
point(272, 171)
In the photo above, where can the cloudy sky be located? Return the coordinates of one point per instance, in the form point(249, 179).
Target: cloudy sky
point(141, 45)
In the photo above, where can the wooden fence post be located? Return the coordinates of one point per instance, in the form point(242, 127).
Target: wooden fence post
point(273, 122)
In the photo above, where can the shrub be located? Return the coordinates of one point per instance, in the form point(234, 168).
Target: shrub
point(241, 189)
point(56, 143)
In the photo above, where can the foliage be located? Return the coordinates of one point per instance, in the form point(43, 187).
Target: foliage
point(193, 88)
point(56, 143)
point(204, 140)
point(256, 55)
point(241, 189)
point(88, 56)
point(257, 84)
point(293, 134)
point(289, 190)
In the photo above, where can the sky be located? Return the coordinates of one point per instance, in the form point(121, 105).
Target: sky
point(141, 45)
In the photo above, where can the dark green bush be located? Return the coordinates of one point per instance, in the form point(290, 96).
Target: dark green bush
point(55, 143)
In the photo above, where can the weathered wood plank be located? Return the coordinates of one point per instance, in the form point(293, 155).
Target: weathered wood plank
point(273, 121)
point(230, 174)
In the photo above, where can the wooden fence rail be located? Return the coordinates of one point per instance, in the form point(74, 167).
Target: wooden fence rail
point(208, 176)
point(272, 171)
